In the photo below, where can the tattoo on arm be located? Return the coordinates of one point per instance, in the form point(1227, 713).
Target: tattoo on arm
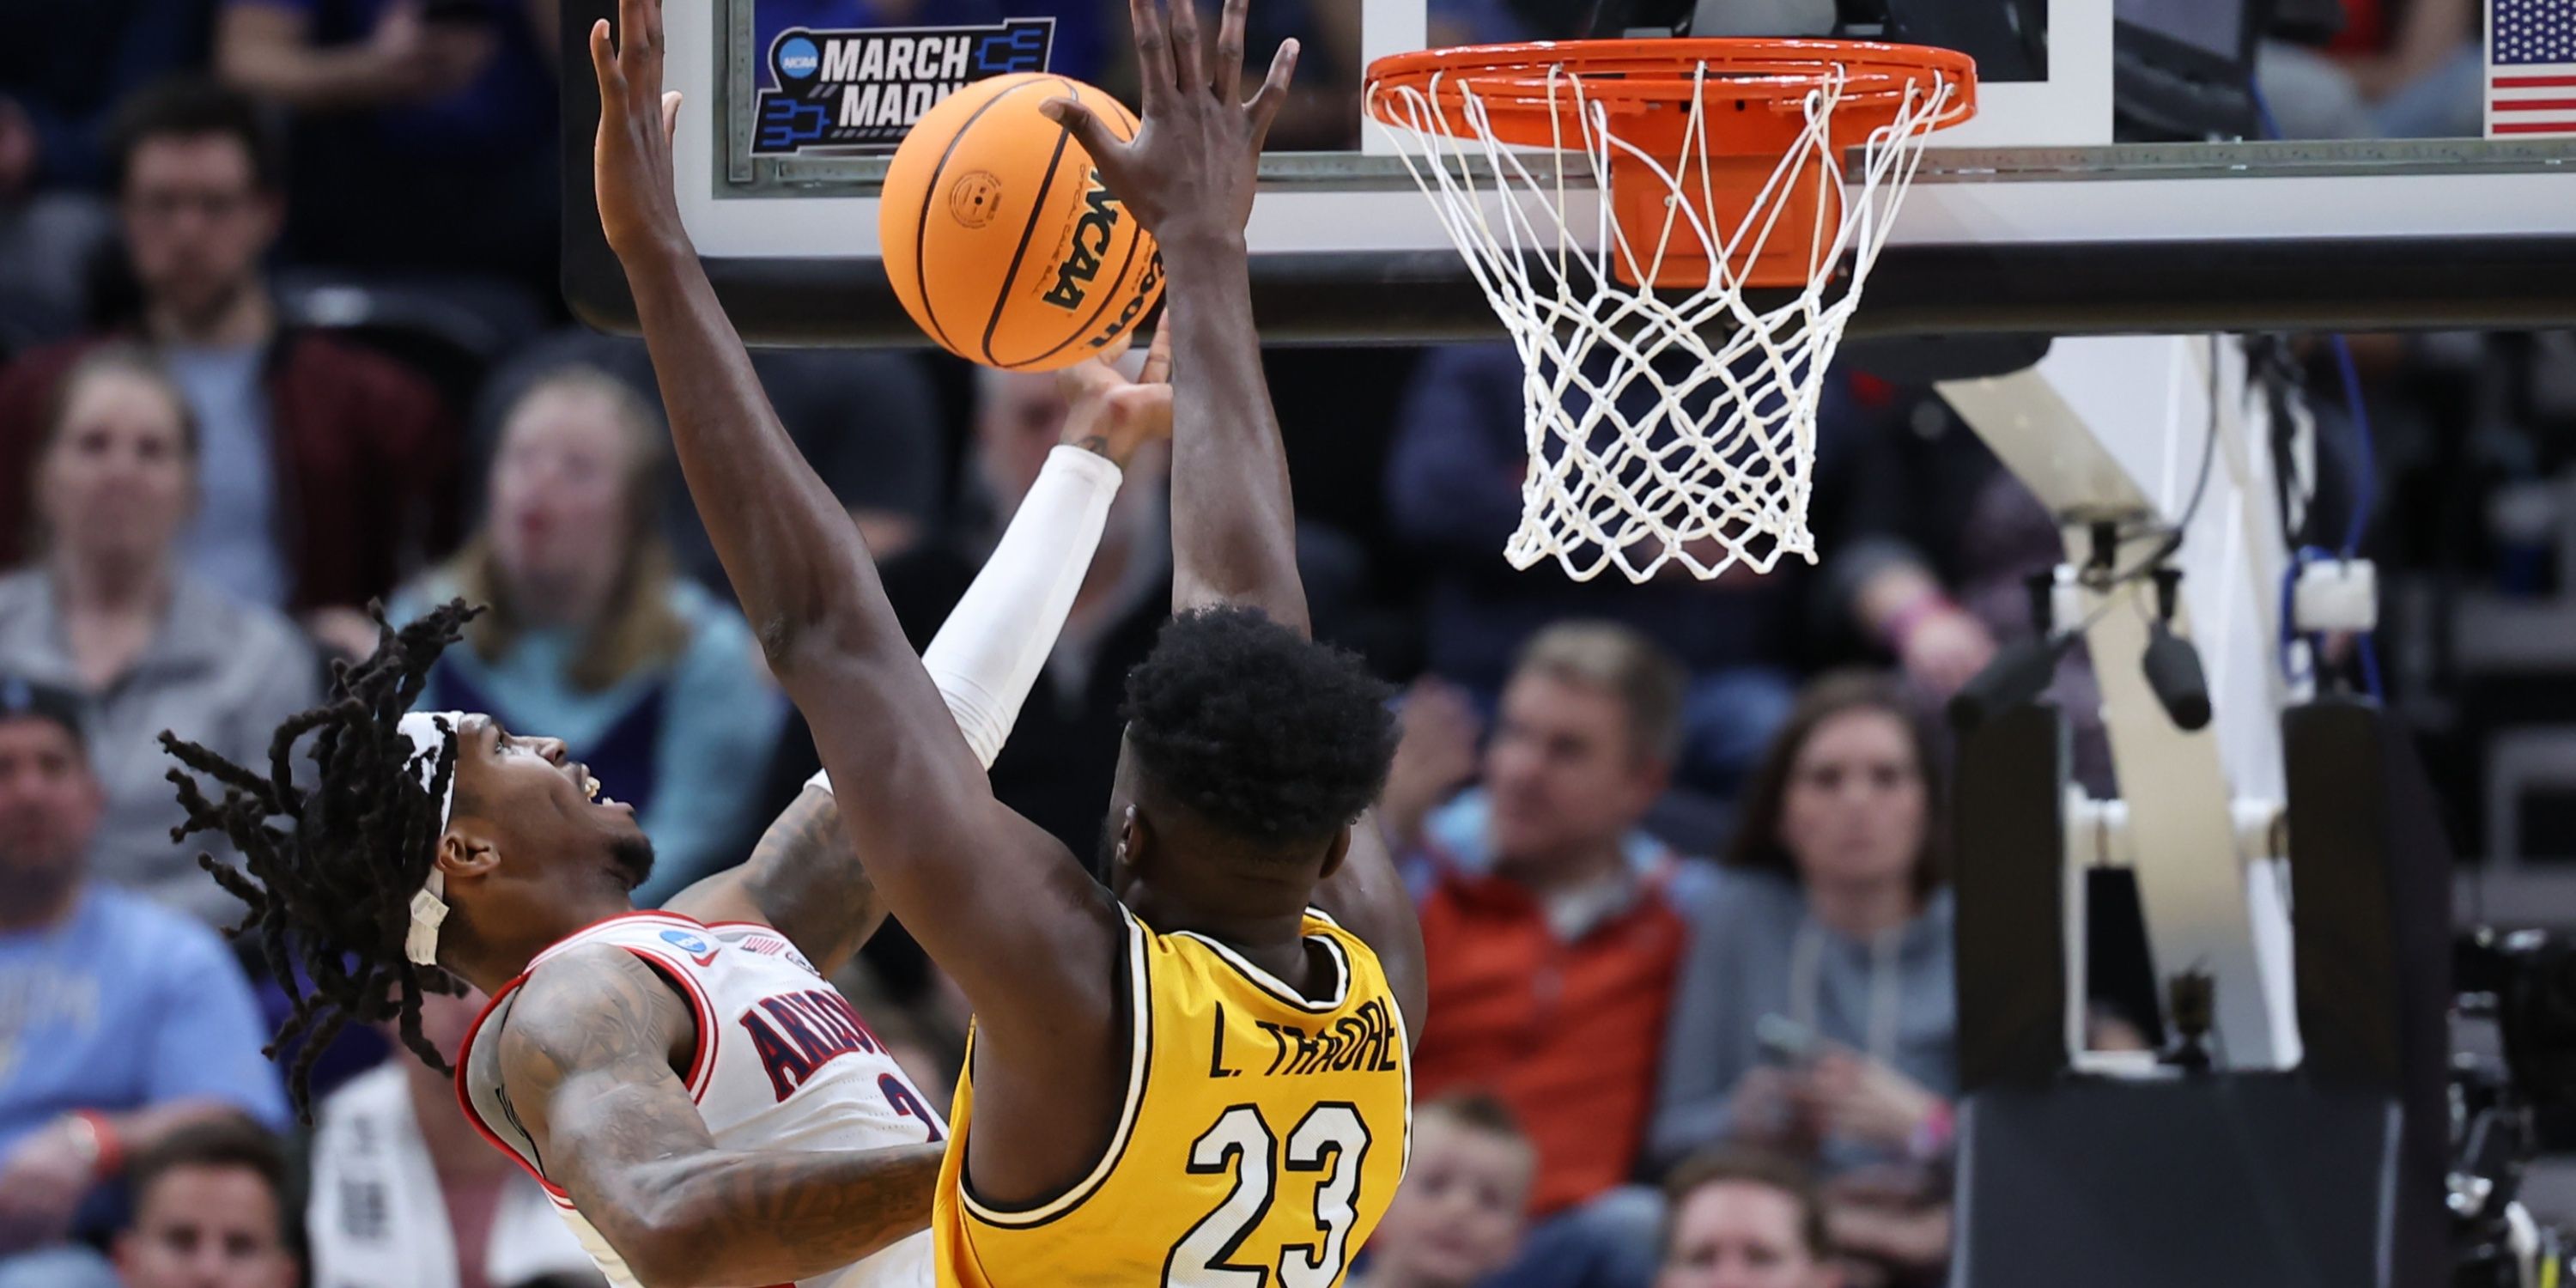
point(599, 1026)
point(590, 1063)
point(807, 880)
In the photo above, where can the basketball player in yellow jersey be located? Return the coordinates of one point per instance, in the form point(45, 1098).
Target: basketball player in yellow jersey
point(1182, 1073)
point(1253, 1118)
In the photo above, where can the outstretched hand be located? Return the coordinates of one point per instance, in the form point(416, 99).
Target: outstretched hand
point(1111, 415)
point(631, 156)
point(1191, 169)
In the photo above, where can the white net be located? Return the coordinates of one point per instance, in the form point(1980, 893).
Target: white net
point(1674, 430)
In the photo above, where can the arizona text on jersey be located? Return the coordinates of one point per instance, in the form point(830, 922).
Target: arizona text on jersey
point(781, 1062)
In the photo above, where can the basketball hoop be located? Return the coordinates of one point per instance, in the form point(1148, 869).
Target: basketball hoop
point(1677, 427)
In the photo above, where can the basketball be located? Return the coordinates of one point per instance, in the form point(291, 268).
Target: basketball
point(999, 236)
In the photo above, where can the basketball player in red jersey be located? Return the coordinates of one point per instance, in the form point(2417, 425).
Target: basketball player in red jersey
point(1252, 753)
point(700, 1103)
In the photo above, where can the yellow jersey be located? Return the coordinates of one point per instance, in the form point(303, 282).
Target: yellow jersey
point(1262, 1134)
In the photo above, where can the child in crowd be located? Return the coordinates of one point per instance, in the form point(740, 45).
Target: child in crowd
point(1458, 1217)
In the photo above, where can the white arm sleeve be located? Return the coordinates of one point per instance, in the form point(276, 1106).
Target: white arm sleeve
point(988, 653)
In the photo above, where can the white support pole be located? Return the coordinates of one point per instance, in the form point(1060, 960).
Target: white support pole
point(2112, 429)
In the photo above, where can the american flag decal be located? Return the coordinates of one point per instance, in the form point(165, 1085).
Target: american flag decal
point(2531, 68)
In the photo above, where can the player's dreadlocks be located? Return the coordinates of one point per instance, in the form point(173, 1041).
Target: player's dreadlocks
point(336, 867)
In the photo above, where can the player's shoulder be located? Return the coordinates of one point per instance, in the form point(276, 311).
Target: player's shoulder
point(1366, 971)
point(662, 934)
point(590, 1008)
point(1322, 925)
point(626, 956)
point(582, 997)
point(762, 940)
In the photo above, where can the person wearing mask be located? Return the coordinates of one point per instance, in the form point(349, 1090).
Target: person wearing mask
point(120, 1022)
point(594, 637)
point(111, 611)
point(324, 469)
point(406, 1195)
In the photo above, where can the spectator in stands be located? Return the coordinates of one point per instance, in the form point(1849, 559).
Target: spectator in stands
point(110, 614)
point(1454, 495)
point(210, 1211)
point(1897, 477)
point(2396, 71)
point(406, 1194)
point(593, 637)
point(1816, 1011)
point(867, 422)
point(120, 1022)
point(62, 71)
point(425, 129)
point(322, 467)
point(1551, 930)
point(1740, 1219)
point(1829, 938)
point(1457, 1217)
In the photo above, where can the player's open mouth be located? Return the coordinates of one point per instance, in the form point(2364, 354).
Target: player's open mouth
point(590, 790)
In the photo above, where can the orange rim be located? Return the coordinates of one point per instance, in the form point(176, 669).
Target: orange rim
point(1625, 77)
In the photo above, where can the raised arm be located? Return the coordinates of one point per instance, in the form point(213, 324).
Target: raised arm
point(1190, 174)
point(1002, 906)
point(586, 1060)
point(805, 877)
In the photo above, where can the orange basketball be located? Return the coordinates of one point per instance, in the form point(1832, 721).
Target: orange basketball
point(1001, 240)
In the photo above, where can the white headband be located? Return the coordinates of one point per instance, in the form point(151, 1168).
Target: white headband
point(432, 734)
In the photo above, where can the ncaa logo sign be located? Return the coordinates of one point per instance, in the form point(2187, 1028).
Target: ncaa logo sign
point(861, 88)
point(798, 59)
point(685, 942)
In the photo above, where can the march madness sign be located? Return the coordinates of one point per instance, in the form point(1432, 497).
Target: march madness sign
point(846, 90)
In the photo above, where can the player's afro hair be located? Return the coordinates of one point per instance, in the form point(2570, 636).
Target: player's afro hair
point(1276, 739)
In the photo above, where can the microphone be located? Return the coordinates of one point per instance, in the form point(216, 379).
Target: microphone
point(2173, 672)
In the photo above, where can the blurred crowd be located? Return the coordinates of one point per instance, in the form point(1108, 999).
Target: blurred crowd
point(281, 342)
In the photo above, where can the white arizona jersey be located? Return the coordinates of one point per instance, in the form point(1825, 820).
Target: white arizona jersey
point(781, 1063)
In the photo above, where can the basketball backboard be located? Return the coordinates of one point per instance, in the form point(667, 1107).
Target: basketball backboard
point(2045, 213)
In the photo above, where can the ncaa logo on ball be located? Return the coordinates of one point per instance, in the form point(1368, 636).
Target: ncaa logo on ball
point(1090, 241)
point(798, 59)
point(684, 941)
point(974, 198)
